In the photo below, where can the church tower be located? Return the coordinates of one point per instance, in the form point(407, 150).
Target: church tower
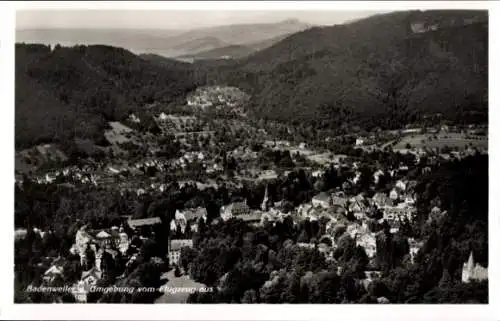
point(468, 269)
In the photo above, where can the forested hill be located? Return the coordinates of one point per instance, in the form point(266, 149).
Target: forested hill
point(72, 92)
point(397, 67)
point(383, 71)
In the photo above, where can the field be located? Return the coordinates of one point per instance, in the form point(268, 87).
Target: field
point(452, 140)
point(117, 134)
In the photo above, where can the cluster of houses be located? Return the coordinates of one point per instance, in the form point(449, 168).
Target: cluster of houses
point(73, 174)
point(113, 242)
point(396, 207)
point(214, 96)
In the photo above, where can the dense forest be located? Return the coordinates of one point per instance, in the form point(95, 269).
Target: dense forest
point(321, 78)
point(65, 93)
point(374, 67)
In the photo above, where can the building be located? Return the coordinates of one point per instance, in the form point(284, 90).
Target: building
point(321, 200)
point(370, 276)
point(306, 245)
point(80, 291)
point(376, 176)
point(410, 200)
point(268, 175)
point(436, 214)
point(326, 250)
point(357, 204)
point(381, 200)
point(418, 27)
point(399, 213)
point(83, 286)
point(318, 173)
point(56, 270)
point(104, 238)
point(188, 216)
point(414, 248)
point(360, 141)
point(339, 202)
point(124, 241)
point(175, 247)
point(162, 117)
point(91, 276)
point(20, 233)
point(471, 272)
point(134, 118)
point(254, 218)
point(393, 195)
point(111, 238)
point(305, 210)
point(82, 240)
point(235, 209)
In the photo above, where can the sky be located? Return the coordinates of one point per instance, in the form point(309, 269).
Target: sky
point(171, 19)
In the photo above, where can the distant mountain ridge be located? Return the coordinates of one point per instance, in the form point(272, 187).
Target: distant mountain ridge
point(169, 43)
point(233, 51)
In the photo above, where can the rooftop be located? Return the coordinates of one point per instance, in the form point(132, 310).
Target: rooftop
point(322, 197)
point(144, 221)
point(176, 245)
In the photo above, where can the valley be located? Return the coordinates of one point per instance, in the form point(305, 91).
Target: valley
point(283, 162)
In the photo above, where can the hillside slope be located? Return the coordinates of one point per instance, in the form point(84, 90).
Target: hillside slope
point(72, 92)
point(198, 45)
point(233, 51)
point(398, 67)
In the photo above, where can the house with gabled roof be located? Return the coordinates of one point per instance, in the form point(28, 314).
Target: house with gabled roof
point(235, 209)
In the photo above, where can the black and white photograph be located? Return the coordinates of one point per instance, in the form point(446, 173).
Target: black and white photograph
point(251, 156)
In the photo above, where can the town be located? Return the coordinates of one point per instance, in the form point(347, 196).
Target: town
point(342, 162)
point(329, 199)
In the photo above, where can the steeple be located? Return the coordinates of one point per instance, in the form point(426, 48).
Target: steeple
point(264, 206)
point(470, 263)
point(468, 269)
